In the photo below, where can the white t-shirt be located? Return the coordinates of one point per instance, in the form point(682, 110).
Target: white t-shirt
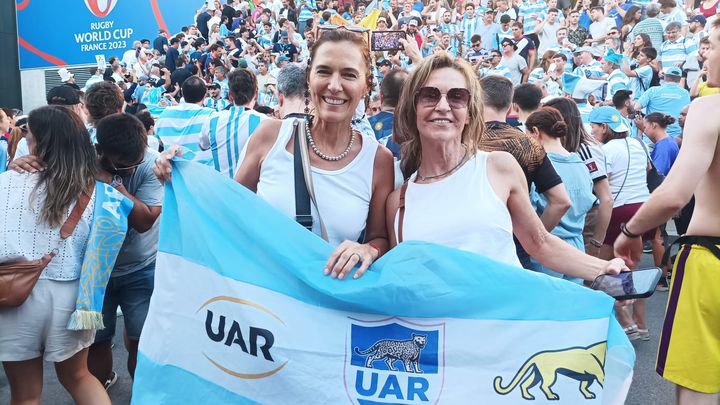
point(628, 179)
point(599, 29)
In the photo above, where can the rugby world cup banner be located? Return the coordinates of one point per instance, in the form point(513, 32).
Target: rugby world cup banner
point(72, 32)
point(242, 314)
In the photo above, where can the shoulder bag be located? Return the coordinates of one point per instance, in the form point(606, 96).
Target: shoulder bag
point(18, 278)
point(304, 192)
point(654, 177)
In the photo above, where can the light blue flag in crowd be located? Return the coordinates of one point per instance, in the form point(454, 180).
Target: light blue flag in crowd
point(242, 314)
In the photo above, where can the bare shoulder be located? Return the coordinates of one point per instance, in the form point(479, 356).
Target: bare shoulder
point(706, 107)
point(264, 137)
point(383, 159)
point(502, 163)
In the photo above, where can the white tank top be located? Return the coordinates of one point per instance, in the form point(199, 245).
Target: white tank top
point(343, 196)
point(460, 211)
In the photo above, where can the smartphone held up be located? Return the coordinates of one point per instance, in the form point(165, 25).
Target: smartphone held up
point(628, 285)
point(387, 40)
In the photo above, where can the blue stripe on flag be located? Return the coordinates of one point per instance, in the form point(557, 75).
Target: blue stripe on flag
point(179, 386)
point(298, 271)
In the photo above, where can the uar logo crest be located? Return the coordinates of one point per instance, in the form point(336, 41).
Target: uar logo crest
point(394, 360)
point(101, 8)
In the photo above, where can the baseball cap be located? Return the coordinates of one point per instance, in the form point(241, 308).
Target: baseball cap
point(65, 75)
point(610, 116)
point(213, 86)
point(242, 63)
point(283, 58)
point(62, 95)
point(583, 49)
point(382, 19)
point(413, 22)
point(698, 19)
point(673, 71)
point(283, 34)
point(508, 41)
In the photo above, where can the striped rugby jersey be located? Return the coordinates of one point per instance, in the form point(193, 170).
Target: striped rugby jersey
point(527, 9)
point(182, 125)
point(451, 29)
point(594, 69)
point(675, 53)
point(217, 104)
point(499, 70)
point(468, 26)
point(617, 80)
point(225, 135)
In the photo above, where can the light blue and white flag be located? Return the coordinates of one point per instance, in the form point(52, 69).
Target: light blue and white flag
point(242, 314)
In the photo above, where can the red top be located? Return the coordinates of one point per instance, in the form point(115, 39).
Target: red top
point(710, 11)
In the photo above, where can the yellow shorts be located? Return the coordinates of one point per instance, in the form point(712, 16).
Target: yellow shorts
point(689, 351)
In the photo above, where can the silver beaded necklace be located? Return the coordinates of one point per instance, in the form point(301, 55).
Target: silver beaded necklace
point(320, 153)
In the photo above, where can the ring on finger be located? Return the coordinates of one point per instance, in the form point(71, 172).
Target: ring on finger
point(358, 255)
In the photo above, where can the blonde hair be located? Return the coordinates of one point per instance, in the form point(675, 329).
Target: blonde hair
point(405, 131)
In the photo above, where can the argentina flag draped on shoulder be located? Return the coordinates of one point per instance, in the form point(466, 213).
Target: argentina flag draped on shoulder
point(243, 314)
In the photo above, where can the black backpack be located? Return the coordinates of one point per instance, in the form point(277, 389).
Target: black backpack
point(655, 81)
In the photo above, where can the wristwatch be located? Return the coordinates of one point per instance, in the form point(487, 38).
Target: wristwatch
point(116, 181)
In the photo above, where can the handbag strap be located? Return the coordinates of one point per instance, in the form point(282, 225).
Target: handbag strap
point(302, 153)
point(68, 227)
point(627, 145)
point(401, 211)
point(303, 216)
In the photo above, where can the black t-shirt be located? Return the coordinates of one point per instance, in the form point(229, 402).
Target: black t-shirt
point(537, 167)
point(201, 22)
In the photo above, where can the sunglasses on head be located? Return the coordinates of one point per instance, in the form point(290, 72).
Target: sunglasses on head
point(430, 96)
point(353, 28)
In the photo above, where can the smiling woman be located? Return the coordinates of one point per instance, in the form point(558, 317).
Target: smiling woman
point(457, 195)
point(352, 174)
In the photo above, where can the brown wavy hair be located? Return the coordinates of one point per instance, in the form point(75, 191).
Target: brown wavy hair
point(405, 130)
point(63, 144)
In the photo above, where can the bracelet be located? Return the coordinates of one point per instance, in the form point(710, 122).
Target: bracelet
point(377, 250)
point(595, 242)
point(625, 231)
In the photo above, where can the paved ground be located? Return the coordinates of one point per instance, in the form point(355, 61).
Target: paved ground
point(647, 387)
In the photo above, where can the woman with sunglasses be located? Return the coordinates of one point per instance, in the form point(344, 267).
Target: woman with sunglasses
point(352, 174)
point(459, 196)
point(41, 201)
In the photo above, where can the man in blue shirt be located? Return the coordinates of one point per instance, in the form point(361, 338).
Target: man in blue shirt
point(382, 122)
point(668, 99)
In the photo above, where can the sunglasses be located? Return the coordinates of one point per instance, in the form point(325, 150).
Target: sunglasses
point(124, 171)
point(430, 97)
point(353, 28)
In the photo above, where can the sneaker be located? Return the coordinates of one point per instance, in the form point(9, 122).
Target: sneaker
point(110, 381)
point(647, 247)
point(632, 332)
point(643, 334)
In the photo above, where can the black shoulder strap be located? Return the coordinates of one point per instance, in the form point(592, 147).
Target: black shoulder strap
point(303, 215)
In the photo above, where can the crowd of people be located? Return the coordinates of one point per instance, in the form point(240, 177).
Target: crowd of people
point(530, 132)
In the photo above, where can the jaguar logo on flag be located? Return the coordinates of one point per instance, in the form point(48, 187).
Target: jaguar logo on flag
point(101, 8)
point(586, 365)
point(395, 361)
